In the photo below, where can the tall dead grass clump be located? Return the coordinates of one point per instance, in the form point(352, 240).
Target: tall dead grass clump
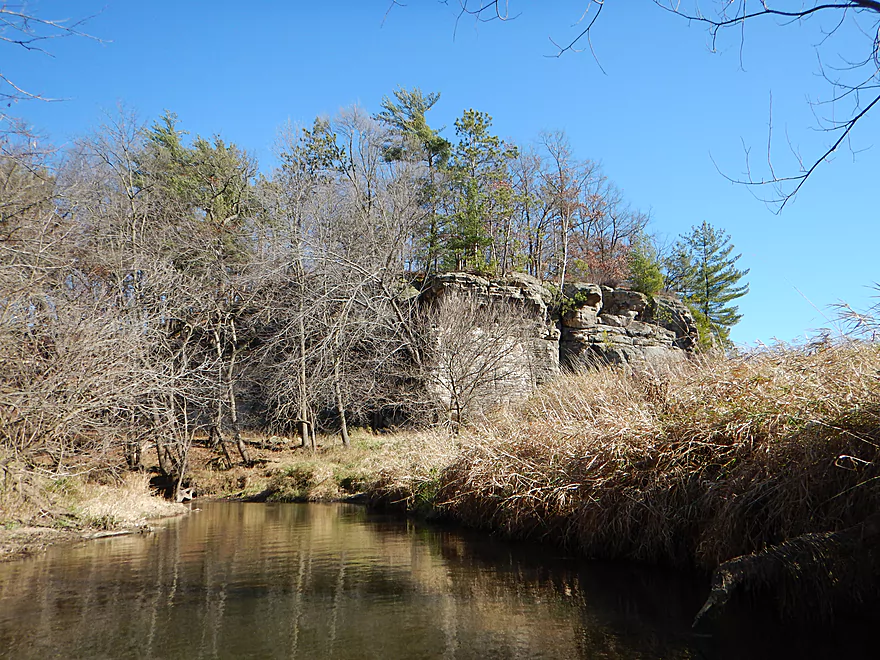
point(101, 499)
point(704, 462)
point(410, 468)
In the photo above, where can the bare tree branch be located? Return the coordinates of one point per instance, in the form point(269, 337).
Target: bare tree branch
point(736, 15)
point(19, 28)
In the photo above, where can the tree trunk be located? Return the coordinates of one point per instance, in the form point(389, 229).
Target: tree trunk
point(303, 381)
point(181, 472)
point(215, 438)
point(340, 405)
point(162, 456)
point(233, 403)
point(161, 449)
point(236, 431)
point(375, 421)
point(133, 454)
point(302, 427)
point(565, 230)
point(221, 375)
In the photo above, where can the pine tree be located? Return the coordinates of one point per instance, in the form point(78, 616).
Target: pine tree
point(481, 194)
point(644, 268)
point(704, 273)
point(411, 138)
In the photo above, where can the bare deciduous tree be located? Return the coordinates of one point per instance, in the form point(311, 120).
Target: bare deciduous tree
point(344, 338)
point(571, 219)
point(478, 354)
point(23, 29)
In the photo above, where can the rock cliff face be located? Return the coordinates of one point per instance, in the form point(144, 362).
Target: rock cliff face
point(618, 326)
point(592, 325)
point(502, 363)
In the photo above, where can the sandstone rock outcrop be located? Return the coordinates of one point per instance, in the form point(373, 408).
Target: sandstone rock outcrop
point(525, 353)
point(592, 324)
point(617, 326)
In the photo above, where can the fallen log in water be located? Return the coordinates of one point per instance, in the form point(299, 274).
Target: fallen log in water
point(143, 529)
point(810, 577)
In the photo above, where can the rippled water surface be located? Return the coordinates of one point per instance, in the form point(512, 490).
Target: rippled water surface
point(335, 581)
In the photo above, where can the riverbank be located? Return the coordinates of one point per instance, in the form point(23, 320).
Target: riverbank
point(764, 469)
point(37, 512)
point(40, 509)
point(285, 472)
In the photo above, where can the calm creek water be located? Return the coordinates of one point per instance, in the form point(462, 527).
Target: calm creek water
point(336, 581)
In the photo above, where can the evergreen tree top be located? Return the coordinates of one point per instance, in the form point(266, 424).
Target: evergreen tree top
point(703, 269)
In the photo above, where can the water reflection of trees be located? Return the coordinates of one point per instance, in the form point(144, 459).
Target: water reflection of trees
point(336, 582)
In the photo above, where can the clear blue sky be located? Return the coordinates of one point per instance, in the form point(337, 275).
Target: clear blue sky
point(662, 111)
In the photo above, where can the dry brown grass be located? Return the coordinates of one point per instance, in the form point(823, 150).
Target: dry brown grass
point(704, 462)
point(693, 466)
point(411, 469)
point(290, 473)
point(78, 501)
point(39, 509)
point(128, 503)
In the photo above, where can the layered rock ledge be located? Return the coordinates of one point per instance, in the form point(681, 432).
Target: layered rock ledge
point(589, 324)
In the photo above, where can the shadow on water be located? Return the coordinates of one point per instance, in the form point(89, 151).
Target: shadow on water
point(336, 581)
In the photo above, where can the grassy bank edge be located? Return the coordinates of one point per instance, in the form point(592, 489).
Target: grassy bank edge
point(764, 468)
point(45, 512)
